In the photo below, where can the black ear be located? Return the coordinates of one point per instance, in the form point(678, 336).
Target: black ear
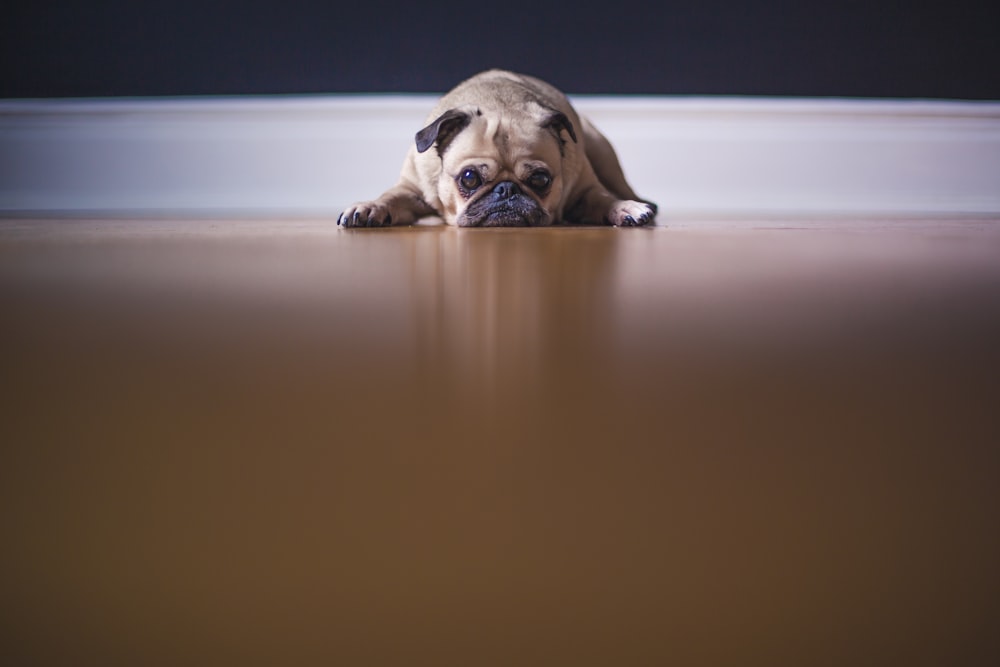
point(559, 122)
point(442, 130)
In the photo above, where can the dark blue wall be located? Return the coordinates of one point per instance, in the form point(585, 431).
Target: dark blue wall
point(779, 47)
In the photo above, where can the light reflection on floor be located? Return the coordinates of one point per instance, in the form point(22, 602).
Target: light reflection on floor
point(260, 442)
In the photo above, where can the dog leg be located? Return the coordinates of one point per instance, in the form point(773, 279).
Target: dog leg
point(606, 165)
point(400, 205)
point(597, 206)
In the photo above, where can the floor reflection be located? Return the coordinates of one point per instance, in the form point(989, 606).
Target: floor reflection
point(260, 443)
point(506, 313)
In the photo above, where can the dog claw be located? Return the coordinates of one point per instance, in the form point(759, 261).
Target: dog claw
point(365, 214)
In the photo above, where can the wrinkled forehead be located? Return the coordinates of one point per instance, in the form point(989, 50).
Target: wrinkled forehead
point(509, 139)
point(526, 138)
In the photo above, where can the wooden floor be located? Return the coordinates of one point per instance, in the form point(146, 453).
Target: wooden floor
point(279, 442)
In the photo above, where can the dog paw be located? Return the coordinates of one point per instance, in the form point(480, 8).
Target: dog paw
point(366, 214)
point(626, 213)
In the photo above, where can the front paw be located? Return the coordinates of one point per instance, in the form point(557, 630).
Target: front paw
point(366, 214)
point(627, 213)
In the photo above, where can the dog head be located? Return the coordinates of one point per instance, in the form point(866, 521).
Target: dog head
point(500, 166)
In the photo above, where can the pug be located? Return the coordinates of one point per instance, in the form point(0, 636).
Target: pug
point(507, 150)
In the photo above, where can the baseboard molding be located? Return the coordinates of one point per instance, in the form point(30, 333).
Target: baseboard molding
point(310, 156)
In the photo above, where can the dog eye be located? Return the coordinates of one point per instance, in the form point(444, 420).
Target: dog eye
point(470, 179)
point(539, 180)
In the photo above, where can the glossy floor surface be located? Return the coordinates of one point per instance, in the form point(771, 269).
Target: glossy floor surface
point(232, 442)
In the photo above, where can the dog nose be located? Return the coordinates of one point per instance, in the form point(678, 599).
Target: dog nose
point(506, 190)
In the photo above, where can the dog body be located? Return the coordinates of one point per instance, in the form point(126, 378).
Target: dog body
point(503, 149)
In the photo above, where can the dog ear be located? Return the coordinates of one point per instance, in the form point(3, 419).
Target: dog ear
point(442, 130)
point(558, 122)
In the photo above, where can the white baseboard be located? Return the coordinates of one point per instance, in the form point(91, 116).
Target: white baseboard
point(310, 156)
